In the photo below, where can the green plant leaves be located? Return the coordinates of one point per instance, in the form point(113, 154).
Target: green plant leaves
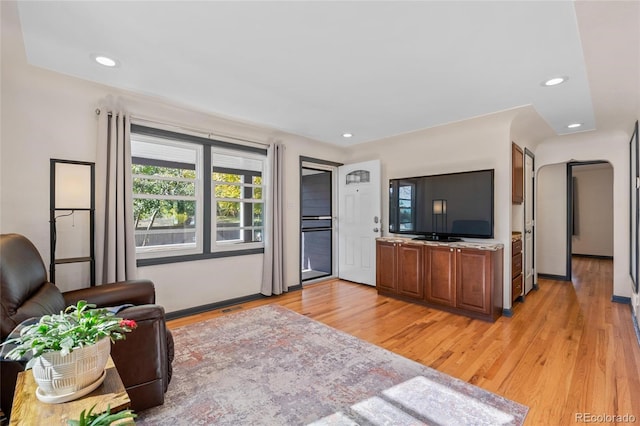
point(79, 325)
point(102, 419)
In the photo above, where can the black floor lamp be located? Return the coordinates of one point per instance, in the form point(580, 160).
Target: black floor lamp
point(72, 190)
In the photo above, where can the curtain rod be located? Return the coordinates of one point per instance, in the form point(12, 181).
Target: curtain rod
point(199, 132)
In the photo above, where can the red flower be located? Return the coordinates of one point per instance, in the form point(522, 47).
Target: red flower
point(126, 323)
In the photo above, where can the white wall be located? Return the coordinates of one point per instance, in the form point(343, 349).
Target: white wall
point(481, 143)
point(48, 115)
point(551, 220)
point(594, 210)
point(592, 146)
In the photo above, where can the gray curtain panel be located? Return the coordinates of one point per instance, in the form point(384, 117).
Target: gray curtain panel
point(273, 268)
point(114, 239)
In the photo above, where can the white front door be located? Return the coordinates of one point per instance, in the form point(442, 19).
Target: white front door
point(359, 206)
point(528, 224)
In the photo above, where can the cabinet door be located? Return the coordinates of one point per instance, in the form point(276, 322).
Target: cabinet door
point(473, 280)
point(410, 267)
point(516, 287)
point(439, 269)
point(386, 266)
point(516, 265)
point(517, 174)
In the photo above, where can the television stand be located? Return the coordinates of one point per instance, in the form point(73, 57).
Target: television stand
point(437, 239)
point(463, 279)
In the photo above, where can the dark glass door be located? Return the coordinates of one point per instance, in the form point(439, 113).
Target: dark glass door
point(316, 240)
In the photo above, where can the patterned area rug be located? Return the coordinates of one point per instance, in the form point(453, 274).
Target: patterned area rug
point(272, 366)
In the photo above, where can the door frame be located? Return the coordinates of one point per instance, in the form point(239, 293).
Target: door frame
point(529, 153)
point(322, 165)
point(570, 209)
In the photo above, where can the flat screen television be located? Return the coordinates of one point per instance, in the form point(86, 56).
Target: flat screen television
point(443, 207)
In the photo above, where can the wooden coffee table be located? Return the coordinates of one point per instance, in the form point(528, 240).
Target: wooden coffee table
point(27, 409)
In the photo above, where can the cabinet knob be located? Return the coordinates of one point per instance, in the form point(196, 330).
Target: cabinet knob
point(450, 249)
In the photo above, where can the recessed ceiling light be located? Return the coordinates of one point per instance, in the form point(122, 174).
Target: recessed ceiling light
point(574, 125)
point(105, 61)
point(555, 81)
point(347, 135)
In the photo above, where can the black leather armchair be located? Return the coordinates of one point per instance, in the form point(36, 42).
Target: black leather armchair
point(143, 359)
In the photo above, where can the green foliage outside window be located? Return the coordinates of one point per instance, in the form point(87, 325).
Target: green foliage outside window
point(229, 211)
point(147, 211)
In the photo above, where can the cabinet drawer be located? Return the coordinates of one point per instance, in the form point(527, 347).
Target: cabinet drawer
point(516, 265)
point(516, 246)
point(516, 287)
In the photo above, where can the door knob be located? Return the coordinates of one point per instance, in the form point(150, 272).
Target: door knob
point(375, 229)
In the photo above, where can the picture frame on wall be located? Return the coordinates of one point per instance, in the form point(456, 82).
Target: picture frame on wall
point(634, 204)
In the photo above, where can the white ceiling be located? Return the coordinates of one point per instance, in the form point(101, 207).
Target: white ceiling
point(374, 69)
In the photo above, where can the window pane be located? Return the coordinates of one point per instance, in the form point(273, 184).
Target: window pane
point(164, 222)
point(257, 193)
point(237, 176)
point(257, 235)
point(149, 148)
point(257, 214)
point(404, 203)
point(149, 170)
point(163, 187)
point(404, 192)
point(230, 160)
point(165, 173)
point(227, 191)
point(226, 234)
point(226, 177)
point(228, 212)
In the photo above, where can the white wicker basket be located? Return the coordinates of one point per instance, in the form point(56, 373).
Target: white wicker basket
point(61, 375)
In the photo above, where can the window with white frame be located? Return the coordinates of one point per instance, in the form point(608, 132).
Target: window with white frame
point(175, 219)
point(237, 190)
point(167, 196)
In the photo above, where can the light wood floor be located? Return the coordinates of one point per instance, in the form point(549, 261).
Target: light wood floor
point(567, 349)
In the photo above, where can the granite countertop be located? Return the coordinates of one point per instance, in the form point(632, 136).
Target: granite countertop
point(492, 246)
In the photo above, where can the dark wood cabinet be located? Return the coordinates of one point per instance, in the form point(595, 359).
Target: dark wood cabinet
point(473, 280)
point(439, 272)
point(410, 261)
point(517, 174)
point(516, 267)
point(464, 280)
point(399, 268)
point(386, 266)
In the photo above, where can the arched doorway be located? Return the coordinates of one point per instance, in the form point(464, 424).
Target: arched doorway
point(574, 215)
